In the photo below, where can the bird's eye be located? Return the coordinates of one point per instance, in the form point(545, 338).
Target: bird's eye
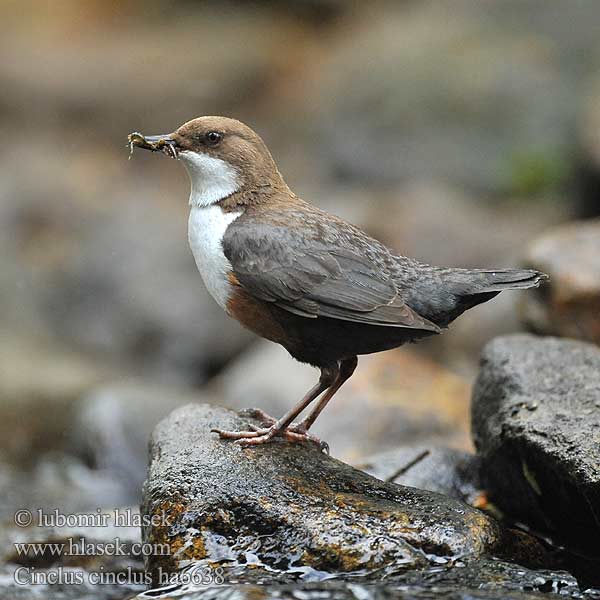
point(213, 138)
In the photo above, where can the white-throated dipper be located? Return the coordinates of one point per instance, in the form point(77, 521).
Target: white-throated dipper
point(298, 276)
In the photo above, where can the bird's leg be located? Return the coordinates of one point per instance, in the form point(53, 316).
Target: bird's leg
point(329, 376)
point(347, 368)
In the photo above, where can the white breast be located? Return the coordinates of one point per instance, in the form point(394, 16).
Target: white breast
point(206, 227)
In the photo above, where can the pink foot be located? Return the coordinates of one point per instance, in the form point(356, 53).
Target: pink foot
point(262, 435)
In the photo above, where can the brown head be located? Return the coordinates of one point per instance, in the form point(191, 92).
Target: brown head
point(224, 158)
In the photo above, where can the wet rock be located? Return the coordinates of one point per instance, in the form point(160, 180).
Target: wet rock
point(396, 397)
point(569, 304)
point(288, 508)
point(536, 426)
point(444, 470)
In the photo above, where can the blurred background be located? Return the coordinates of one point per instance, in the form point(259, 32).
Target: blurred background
point(456, 132)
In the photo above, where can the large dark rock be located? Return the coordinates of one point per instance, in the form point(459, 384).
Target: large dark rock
point(536, 425)
point(290, 508)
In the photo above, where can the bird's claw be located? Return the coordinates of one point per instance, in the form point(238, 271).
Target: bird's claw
point(324, 447)
point(235, 435)
point(255, 435)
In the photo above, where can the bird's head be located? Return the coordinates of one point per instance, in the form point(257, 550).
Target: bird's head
point(222, 156)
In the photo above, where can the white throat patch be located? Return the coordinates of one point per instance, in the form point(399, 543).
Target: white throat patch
point(212, 178)
point(206, 228)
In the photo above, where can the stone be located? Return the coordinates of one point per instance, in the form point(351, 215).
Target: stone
point(289, 508)
point(569, 304)
point(536, 427)
point(395, 397)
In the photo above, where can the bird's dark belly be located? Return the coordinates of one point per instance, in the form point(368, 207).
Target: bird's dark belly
point(321, 341)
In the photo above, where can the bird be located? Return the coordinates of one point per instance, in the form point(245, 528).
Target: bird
point(301, 277)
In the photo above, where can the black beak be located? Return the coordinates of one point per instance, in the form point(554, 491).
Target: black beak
point(155, 143)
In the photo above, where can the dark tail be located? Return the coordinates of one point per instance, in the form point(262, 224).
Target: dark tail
point(470, 287)
point(484, 281)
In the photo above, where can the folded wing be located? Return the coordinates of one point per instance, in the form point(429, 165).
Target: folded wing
point(307, 277)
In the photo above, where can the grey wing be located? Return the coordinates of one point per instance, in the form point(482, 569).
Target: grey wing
point(310, 279)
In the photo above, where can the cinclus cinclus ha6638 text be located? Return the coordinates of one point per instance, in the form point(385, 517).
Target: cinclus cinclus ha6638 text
point(298, 276)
